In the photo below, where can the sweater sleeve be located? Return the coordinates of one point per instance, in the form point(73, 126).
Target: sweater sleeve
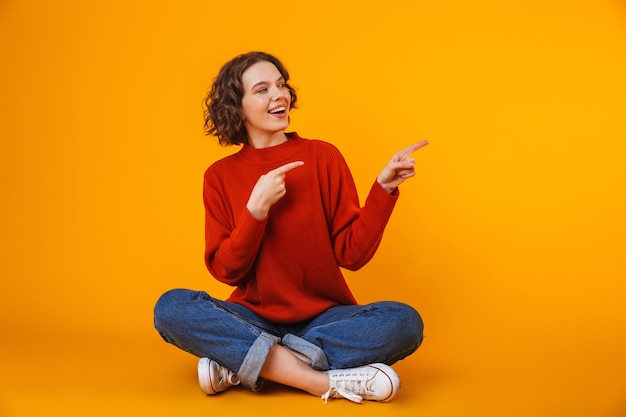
point(357, 231)
point(231, 243)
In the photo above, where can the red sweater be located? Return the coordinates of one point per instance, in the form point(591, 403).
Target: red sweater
point(287, 267)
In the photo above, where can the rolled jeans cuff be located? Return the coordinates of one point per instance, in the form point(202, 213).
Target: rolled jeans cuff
point(255, 358)
point(308, 349)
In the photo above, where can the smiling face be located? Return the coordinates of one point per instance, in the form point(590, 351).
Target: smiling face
point(265, 104)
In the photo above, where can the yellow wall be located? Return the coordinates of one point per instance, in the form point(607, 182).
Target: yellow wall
point(510, 241)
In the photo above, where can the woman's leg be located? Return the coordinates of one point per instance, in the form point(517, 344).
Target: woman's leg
point(231, 335)
point(356, 344)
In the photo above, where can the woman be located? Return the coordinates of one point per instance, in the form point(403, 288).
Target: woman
point(282, 218)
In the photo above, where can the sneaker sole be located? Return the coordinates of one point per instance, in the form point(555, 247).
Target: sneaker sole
point(204, 376)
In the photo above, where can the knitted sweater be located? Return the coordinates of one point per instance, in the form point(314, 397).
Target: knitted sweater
point(287, 267)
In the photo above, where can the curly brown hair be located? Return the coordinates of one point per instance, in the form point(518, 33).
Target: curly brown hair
point(222, 106)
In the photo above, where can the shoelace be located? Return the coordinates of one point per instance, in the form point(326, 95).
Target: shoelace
point(233, 379)
point(229, 376)
point(344, 393)
point(347, 385)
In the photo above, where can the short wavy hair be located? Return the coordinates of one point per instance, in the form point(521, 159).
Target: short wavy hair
point(222, 106)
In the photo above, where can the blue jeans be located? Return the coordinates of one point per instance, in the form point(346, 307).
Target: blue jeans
point(239, 339)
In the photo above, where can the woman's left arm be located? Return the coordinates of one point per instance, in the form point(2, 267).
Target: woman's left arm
point(359, 231)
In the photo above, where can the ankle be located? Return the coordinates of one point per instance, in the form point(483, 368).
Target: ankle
point(319, 385)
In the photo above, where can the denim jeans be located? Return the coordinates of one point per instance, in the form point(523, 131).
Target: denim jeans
point(239, 339)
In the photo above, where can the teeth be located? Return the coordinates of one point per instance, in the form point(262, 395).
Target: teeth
point(277, 110)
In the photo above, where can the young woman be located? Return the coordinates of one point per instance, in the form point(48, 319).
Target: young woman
point(282, 218)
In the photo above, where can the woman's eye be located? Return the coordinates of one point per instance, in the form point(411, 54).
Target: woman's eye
point(262, 90)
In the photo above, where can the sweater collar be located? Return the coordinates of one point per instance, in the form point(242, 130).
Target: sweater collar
point(273, 153)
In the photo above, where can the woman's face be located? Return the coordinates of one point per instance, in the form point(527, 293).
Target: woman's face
point(265, 102)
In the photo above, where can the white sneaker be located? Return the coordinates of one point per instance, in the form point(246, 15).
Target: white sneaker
point(215, 378)
point(375, 382)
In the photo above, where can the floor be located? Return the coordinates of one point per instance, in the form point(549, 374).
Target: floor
point(83, 374)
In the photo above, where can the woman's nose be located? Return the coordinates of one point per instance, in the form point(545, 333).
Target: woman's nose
point(278, 93)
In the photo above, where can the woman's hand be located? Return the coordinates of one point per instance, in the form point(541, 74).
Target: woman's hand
point(400, 167)
point(268, 190)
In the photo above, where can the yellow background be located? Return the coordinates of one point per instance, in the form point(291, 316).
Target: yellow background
point(510, 242)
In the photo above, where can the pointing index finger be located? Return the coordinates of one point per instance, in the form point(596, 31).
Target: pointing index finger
point(414, 147)
point(287, 167)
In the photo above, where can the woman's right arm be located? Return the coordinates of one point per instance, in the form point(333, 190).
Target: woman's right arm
point(232, 239)
point(232, 246)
